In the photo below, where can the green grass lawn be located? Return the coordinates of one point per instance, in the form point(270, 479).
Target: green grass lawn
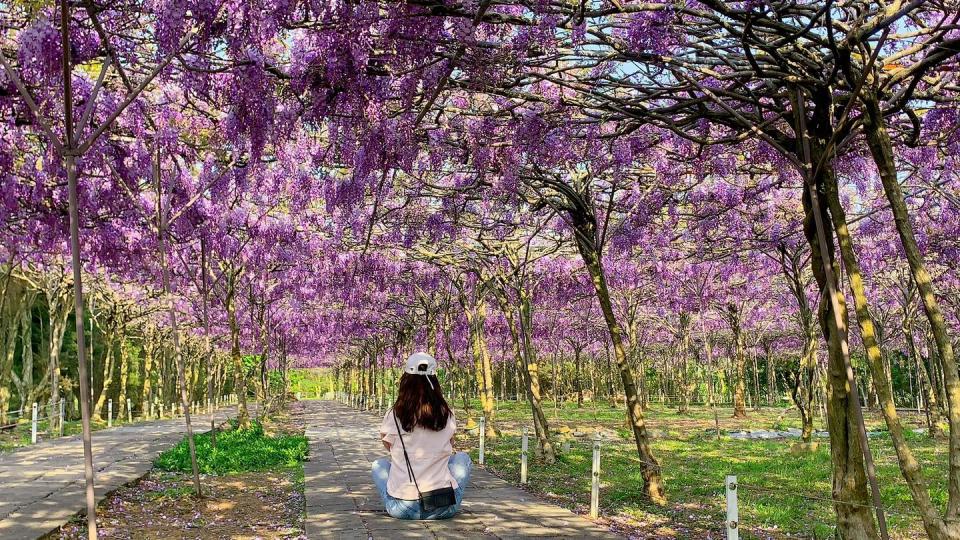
point(236, 451)
point(781, 493)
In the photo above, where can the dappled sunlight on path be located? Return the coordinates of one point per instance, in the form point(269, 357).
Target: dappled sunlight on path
point(43, 485)
point(343, 503)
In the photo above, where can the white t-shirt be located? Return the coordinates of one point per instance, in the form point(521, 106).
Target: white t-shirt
point(429, 453)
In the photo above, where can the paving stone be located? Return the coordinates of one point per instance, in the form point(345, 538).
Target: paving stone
point(343, 444)
point(43, 484)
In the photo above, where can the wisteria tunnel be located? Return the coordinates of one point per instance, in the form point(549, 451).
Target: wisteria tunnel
point(287, 269)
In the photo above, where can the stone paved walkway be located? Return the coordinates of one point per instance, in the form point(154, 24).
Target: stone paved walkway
point(343, 504)
point(42, 487)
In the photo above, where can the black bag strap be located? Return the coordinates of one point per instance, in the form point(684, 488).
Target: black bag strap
point(405, 456)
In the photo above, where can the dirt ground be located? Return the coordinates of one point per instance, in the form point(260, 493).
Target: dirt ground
point(267, 505)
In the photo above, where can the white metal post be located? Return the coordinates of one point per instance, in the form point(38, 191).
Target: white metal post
point(110, 413)
point(523, 455)
point(63, 408)
point(483, 438)
point(161, 410)
point(733, 511)
point(33, 425)
point(595, 480)
point(129, 411)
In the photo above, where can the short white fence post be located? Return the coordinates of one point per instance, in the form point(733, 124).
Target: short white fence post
point(63, 408)
point(595, 479)
point(483, 438)
point(129, 411)
point(110, 413)
point(161, 410)
point(33, 425)
point(524, 444)
point(733, 511)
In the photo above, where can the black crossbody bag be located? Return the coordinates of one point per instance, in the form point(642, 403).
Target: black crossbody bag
point(430, 500)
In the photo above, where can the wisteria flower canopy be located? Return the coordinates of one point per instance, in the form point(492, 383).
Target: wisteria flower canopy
point(315, 182)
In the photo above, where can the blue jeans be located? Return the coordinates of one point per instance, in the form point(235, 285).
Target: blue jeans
point(460, 467)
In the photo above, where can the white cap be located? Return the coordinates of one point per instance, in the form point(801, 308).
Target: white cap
point(421, 363)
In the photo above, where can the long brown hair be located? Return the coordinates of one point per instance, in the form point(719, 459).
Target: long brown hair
point(420, 405)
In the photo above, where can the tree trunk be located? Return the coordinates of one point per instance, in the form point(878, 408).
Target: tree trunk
point(739, 363)
point(577, 377)
point(909, 466)
point(806, 384)
point(6, 359)
point(878, 140)
point(756, 380)
point(683, 352)
point(586, 236)
point(852, 502)
point(476, 319)
point(121, 407)
point(59, 310)
point(146, 393)
point(924, 369)
point(109, 364)
point(22, 316)
point(527, 370)
point(205, 314)
point(771, 375)
point(239, 374)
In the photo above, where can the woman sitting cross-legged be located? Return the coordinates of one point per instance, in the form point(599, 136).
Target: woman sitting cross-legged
point(422, 478)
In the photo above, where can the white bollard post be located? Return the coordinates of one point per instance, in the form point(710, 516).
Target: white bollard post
point(298, 396)
point(161, 410)
point(733, 511)
point(523, 455)
point(63, 408)
point(109, 413)
point(483, 438)
point(595, 483)
point(129, 411)
point(33, 425)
